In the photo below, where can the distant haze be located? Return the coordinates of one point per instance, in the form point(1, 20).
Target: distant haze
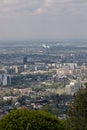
point(43, 19)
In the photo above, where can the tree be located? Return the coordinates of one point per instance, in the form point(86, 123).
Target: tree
point(23, 119)
point(77, 114)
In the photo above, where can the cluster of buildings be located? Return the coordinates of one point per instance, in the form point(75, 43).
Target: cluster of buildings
point(35, 76)
point(5, 80)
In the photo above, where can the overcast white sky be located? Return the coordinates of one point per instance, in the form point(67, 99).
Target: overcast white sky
point(43, 19)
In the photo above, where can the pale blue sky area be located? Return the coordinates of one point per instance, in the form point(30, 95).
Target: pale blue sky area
point(43, 19)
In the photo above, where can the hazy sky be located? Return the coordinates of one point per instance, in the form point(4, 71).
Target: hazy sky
point(43, 19)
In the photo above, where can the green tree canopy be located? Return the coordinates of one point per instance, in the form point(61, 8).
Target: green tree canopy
point(23, 119)
point(77, 114)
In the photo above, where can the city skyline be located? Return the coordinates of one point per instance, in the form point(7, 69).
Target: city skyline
point(46, 19)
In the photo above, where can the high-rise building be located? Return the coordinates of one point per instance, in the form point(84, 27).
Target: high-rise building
point(25, 59)
point(9, 80)
point(16, 69)
point(0, 79)
point(4, 79)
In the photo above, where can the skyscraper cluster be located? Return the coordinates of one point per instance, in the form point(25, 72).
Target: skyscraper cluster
point(5, 79)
